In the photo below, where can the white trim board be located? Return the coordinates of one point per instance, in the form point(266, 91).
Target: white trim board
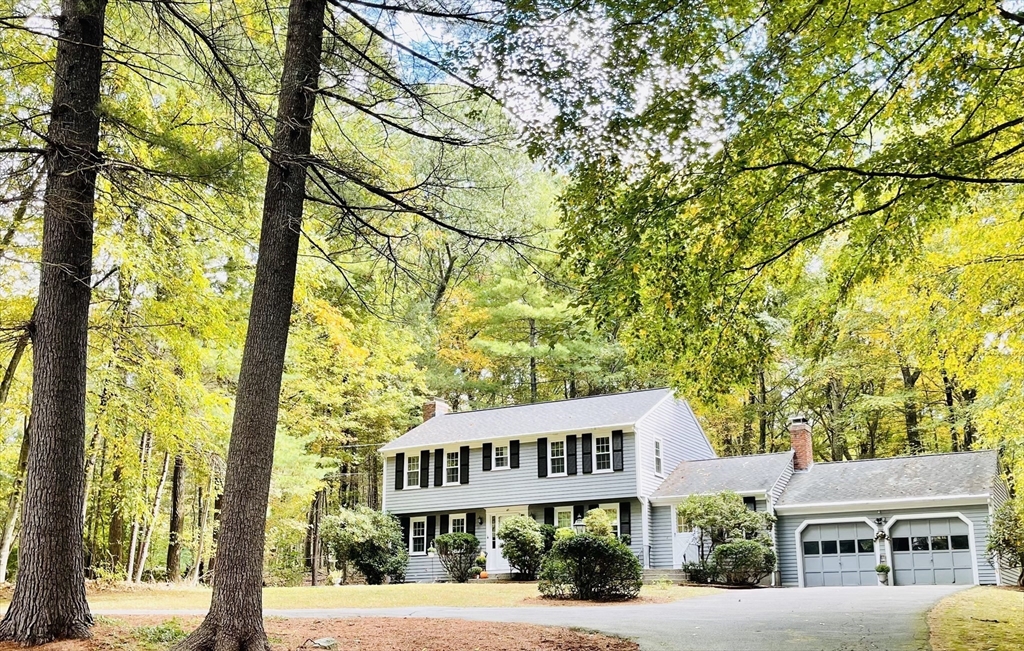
point(881, 505)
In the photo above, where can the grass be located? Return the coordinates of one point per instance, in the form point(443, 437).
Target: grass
point(165, 598)
point(979, 619)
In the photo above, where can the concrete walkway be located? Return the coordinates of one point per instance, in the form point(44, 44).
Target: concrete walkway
point(832, 619)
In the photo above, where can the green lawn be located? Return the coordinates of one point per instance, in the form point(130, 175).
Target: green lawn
point(979, 619)
point(359, 596)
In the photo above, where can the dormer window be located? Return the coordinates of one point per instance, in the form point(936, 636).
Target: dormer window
point(501, 456)
point(602, 454)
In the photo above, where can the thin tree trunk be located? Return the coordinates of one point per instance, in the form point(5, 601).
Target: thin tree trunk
point(533, 361)
point(910, 413)
point(204, 518)
point(12, 366)
point(177, 523)
point(15, 504)
point(762, 414)
point(235, 620)
point(19, 216)
point(969, 429)
point(948, 387)
point(154, 514)
point(137, 524)
point(49, 598)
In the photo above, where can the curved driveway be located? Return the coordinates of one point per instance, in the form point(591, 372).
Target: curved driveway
point(833, 619)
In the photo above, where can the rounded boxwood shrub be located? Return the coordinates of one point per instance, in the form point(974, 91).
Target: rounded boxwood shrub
point(457, 552)
point(743, 562)
point(522, 545)
point(590, 567)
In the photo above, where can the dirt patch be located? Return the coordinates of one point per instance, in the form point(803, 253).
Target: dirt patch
point(358, 634)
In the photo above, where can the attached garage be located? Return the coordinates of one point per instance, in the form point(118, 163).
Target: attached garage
point(836, 554)
point(932, 551)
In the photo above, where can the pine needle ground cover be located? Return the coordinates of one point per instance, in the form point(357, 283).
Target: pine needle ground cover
point(978, 619)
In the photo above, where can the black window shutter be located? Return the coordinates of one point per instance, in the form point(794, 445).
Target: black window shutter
point(424, 468)
point(513, 454)
point(444, 524)
point(549, 515)
point(487, 456)
point(471, 523)
point(593, 506)
point(588, 458)
point(399, 471)
point(542, 457)
point(439, 467)
point(404, 521)
point(617, 450)
point(570, 454)
point(625, 518)
point(431, 523)
point(578, 512)
point(464, 464)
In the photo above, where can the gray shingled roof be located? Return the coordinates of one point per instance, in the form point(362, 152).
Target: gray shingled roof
point(562, 415)
point(746, 474)
point(924, 476)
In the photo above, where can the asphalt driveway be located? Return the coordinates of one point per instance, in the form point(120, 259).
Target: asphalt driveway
point(820, 619)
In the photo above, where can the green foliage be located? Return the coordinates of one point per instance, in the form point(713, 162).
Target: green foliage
point(598, 522)
point(704, 571)
point(522, 545)
point(1006, 535)
point(457, 552)
point(161, 635)
point(591, 567)
point(372, 541)
point(744, 562)
point(718, 519)
point(548, 532)
point(882, 568)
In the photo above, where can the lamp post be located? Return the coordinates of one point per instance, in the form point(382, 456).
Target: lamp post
point(578, 526)
point(431, 552)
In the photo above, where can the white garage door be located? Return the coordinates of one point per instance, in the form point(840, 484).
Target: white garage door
point(931, 552)
point(839, 554)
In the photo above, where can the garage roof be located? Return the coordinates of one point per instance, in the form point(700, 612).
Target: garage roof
point(923, 476)
point(747, 474)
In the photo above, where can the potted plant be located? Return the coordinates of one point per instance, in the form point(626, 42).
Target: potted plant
point(476, 571)
point(883, 573)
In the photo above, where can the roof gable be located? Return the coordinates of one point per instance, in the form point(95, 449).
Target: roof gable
point(745, 474)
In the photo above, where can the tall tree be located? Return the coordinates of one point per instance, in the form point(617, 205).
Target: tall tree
point(49, 597)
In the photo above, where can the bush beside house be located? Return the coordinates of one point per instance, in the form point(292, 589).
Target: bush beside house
point(593, 566)
point(522, 545)
point(1006, 536)
point(734, 546)
point(370, 541)
point(457, 552)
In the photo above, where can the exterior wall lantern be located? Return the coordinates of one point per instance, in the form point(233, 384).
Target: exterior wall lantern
point(578, 526)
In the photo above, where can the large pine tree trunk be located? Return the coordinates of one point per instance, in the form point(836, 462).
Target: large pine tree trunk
point(49, 597)
point(177, 523)
point(235, 620)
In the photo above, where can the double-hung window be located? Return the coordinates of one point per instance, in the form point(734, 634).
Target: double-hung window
point(563, 517)
point(418, 536)
point(451, 468)
point(556, 458)
point(459, 525)
point(500, 456)
point(658, 464)
point(412, 471)
point(613, 514)
point(602, 453)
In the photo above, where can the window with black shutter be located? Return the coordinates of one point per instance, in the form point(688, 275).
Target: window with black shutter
point(625, 519)
point(471, 523)
point(513, 454)
point(487, 457)
point(399, 471)
point(439, 467)
point(549, 515)
point(464, 464)
point(424, 468)
point(570, 454)
point(404, 522)
point(542, 457)
point(588, 459)
point(617, 450)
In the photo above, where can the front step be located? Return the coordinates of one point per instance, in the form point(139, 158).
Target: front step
point(660, 576)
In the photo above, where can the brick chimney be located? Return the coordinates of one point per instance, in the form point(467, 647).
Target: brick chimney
point(800, 440)
point(435, 407)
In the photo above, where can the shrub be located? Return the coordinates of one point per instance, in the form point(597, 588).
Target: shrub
point(522, 545)
point(698, 572)
point(457, 552)
point(744, 562)
point(368, 539)
point(1006, 536)
point(598, 523)
point(718, 519)
point(547, 532)
point(591, 567)
point(481, 560)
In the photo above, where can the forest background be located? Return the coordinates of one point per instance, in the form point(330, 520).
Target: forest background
point(896, 336)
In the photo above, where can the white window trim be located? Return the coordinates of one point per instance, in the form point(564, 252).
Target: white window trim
point(560, 509)
point(412, 528)
point(659, 456)
point(611, 455)
point(458, 456)
point(508, 456)
point(451, 523)
point(409, 486)
point(613, 506)
point(564, 458)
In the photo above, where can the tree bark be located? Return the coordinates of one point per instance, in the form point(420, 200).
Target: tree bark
point(235, 620)
point(115, 530)
point(154, 514)
point(15, 505)
point(177, 523)
point(194, 573)
point(49, 597)
point(948, 389)
point(762, 413)
point(533, 361)
point(910, 414)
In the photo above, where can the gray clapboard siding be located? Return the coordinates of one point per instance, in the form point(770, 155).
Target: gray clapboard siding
point(788, 525)
point(661, 537)
point(423, 569)
point(515, 486)
point(682, 439)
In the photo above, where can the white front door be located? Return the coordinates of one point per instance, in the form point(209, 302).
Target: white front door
point(496, 563)
point(684, 542)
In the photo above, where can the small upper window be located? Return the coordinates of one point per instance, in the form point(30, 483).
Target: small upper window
point(919, 543)
point(940, 543)
point(847, 546)
point(682, 526)
point(451, 471)
point(657, 457)
point(901, 544)
point(865, 545)
point(557, 458)
point(459, 525)
point(501, 456)
point(811, 548)
point(960, 542)
point(412, 471)
point(829, 547)
point(603, 453)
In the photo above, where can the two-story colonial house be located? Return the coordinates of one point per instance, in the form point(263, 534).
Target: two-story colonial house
point(553, 461)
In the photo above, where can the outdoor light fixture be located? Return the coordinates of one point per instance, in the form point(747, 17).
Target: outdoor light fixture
point(579, 526)
point(431, 551)
point(480, 520)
